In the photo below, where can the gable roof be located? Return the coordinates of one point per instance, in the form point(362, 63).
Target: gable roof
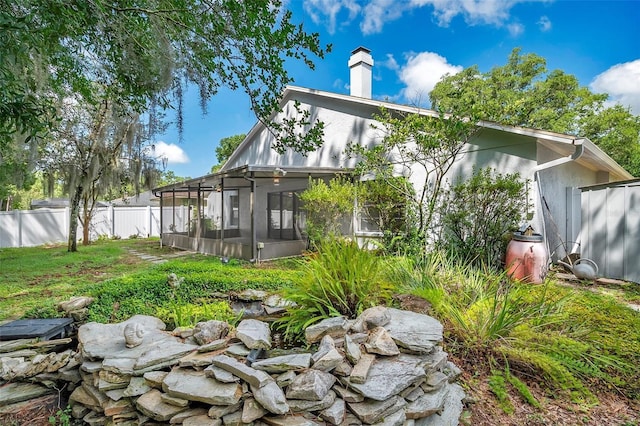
point(565, 145)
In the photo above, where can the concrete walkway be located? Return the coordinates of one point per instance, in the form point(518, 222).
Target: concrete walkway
point(159, 259)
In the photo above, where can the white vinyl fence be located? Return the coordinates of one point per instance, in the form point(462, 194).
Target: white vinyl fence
point(27, 228)
point(611, 228)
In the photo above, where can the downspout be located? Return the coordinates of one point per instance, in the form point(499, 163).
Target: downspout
point(254, 243)
point(199, 219)
point(579, 150)
point(222, 224)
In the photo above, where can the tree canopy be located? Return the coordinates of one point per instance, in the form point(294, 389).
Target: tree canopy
point(524, 93)
point(138, 56)
point(225, 148)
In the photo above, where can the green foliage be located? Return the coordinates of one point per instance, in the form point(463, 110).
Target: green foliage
point(176, 313)
point(522, 389)
point(524, 93)
point(495, 319)
point(146, 52)
point(341, 279)
point(328, 206)
point(478, 212)
point(415, 144)
point(146, 292)
point(225, 148)
point(499, 382)
point(384, 201)
point(498, 386)
point(61, 418)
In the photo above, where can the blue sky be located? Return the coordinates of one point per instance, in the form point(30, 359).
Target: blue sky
point(414, 42)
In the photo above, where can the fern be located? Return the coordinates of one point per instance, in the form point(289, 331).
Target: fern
point(554, 371)
point(522, 388)
point(498, 385)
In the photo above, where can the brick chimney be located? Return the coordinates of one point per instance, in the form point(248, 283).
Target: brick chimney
point(360, 65)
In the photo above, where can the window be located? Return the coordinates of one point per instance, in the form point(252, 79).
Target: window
point(285, 219)
point(232, 206)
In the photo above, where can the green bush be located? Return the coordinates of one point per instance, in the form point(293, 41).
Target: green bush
point(527, 328)
point(479, 212)
point(341, 279)
point(327, 207)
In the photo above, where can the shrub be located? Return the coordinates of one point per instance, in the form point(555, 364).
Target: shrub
point(341, 279)
point(498, 322)
point(479, 212)
point(327, 207)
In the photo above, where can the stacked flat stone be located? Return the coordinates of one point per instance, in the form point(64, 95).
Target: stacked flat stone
point(387, 367)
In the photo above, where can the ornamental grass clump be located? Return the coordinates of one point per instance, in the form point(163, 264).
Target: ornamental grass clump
point(508, 325)
point(341, 279)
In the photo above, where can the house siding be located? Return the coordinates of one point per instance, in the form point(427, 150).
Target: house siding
point(350, 122)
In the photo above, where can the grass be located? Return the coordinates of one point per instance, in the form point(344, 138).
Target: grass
point(32, 275)
point(35, 279)
point(571, 343)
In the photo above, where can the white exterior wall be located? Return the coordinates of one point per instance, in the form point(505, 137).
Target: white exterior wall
point(507, 152)
point(341, 127)
point(554, 183)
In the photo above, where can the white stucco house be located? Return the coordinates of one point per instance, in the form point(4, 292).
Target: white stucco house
point(250, 208)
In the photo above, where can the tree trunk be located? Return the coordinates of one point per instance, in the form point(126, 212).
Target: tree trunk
point(86, 221)
point(74, 208)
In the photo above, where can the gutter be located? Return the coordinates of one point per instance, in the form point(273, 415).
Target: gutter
point(578, 143)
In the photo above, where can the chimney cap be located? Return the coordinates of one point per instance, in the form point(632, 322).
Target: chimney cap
point(361, 49)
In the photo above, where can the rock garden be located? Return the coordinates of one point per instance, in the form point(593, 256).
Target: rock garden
point(385, 367)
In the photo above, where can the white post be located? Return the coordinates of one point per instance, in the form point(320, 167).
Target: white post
point(18, 215)
point(150, 229)
point(112, 217)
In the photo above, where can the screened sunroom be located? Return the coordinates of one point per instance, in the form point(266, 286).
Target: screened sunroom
point(251, 213)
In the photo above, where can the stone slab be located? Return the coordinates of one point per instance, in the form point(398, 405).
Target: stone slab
point(195, 386)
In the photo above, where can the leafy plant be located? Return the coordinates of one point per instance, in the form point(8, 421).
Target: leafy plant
point(327, 207)
point(61, 418)
point(502, 322)
point(498, 386)
point(385, 202)
point(176, 314)
point(479, 212)
point(341, 279)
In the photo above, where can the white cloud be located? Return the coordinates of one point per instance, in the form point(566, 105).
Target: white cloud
point(379, 12)
point(340, 85)
point(544, 23)
point(376, 13)
point(422, 72)
point(622, 83)
point(390, 63)
point(475, 12)
point(326, 11)
point(174, 154)
point(515, 29)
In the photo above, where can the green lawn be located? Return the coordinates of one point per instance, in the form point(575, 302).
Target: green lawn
point(595, 337)
point(33, 280)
